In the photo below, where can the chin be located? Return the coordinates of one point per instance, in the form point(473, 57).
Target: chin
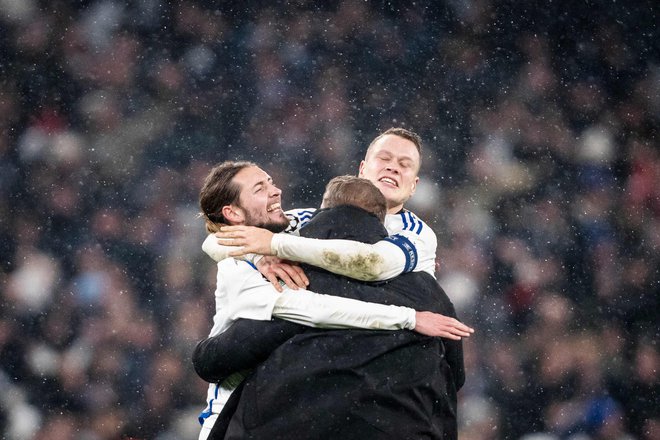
point(275, 225)
point(390, 193)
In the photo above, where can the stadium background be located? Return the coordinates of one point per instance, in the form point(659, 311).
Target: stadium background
point(541, 177)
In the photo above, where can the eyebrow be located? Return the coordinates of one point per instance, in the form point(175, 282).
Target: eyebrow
point(262, 182)
point(394, 154)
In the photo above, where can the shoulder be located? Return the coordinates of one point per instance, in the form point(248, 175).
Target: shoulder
point(416, 238)
point(407, 223)
point(298, 218)
point(235, 268)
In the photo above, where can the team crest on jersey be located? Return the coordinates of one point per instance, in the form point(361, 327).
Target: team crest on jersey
point(298, 218)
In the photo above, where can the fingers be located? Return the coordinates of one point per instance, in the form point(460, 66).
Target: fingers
point(298, 276)
point(252, 239)
point(230, 239)
point(239, 252)
point(274, 281)
point(283, 275)
point(232, 228)
point(434, 324)
point(459, 329)
point(277, 271)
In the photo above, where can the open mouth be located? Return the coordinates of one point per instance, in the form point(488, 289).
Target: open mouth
point(274, 207)
point(389, 181)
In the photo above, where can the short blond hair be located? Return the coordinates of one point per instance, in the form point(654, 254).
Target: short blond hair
point(355, 191)
point(402, 133)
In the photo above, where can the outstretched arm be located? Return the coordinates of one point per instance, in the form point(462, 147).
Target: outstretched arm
point(247, 343)
point(326, 311)
point(367, 262)
point(243, 346)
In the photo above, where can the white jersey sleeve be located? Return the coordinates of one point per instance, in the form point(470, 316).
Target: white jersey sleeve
point(215, 250)
point(411, 246)
point(243, 293)
point(415, 238)
point(367, 262)
point(326, 311)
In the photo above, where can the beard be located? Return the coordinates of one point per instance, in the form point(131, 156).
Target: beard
point(272, 226)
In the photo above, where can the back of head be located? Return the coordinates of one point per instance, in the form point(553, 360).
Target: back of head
point(219, 190)
point(355, 191)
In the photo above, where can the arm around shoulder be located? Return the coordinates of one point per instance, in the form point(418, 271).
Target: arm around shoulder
point(366, 262)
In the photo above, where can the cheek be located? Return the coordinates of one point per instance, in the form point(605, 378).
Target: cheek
point(368, 171)
point(410, 184)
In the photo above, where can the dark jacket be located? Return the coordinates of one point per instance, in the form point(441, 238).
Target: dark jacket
point(346, 384)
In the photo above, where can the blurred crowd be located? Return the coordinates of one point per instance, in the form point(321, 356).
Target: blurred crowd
point(540, 176)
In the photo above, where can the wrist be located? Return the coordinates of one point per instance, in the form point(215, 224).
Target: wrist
point(275, 243)
point(412, 319)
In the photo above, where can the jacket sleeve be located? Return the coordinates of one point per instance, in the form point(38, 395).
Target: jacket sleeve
point(453, 349)
point(244, 345)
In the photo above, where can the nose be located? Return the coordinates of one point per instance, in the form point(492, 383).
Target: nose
point(392, 168)
point(275, 191)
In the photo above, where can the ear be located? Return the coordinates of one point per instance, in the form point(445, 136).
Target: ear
point(233, 214)
point(414, 186)
point(360, 168)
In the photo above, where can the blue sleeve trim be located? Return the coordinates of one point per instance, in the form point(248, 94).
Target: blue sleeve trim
point(405, 222)
point(409, 250)
point(207, 413)
point(419, 229)
point(204, 415)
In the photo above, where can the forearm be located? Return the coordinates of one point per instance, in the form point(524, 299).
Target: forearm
point(244, 345)
point(219, 252)
point(247, 343)
point(325, 311)
point(362, 261)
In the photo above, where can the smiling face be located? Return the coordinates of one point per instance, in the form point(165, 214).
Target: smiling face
point(392, 163)
point(259, 201)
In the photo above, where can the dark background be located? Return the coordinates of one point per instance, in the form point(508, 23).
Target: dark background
point(541, 177)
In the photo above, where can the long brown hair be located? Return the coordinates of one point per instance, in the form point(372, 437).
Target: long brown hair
point(220, 190)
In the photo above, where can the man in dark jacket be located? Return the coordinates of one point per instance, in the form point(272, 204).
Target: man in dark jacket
point(313, 383)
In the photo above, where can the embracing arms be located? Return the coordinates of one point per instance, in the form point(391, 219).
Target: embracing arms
point(366, 262)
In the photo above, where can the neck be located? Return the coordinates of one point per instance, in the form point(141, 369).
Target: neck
point(394, 209)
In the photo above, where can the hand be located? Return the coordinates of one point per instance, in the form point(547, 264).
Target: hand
point(434, 324)
point(251, 239)
point(275, 269)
